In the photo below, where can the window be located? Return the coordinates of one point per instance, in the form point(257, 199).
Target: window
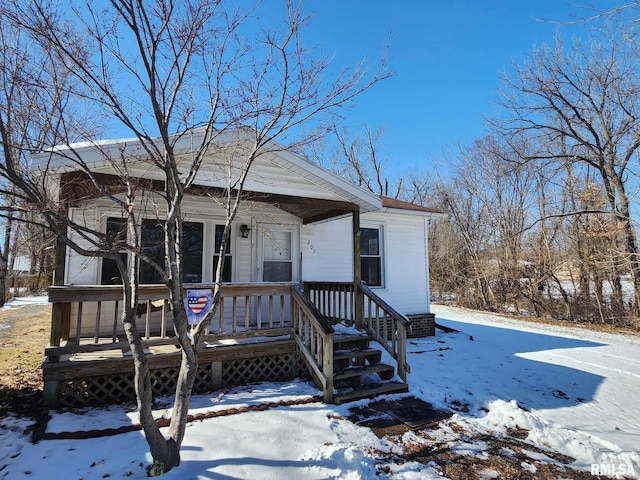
point(152, 240)
point(117, 231)
point(226, 272)
point(371, 256)
point(192, 251)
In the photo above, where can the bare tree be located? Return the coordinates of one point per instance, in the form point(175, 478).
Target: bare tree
point(462, 199)
point(33, 89)
point(173, 73)
point(582, 105)
point(5, 253)
point(359, 159)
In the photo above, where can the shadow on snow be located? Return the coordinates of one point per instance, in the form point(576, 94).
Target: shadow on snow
point(484, 363)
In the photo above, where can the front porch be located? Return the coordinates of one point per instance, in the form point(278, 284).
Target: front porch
point(262, 332)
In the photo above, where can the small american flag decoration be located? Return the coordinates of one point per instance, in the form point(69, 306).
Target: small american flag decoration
point(198, 303)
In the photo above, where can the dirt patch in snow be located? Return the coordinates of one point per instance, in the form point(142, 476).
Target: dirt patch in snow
point(24, 335)
point(463, 455)
point(481, 456)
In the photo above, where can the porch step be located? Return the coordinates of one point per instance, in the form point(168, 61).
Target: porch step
point(370, 390)
point(384, 371)
point(348, 341)
point(353, 361)
point(346, 358)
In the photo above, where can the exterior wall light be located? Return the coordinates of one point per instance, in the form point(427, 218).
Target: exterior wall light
point(244, 231)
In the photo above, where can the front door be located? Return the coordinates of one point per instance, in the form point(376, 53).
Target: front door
point(277, 262)
point(277, 245)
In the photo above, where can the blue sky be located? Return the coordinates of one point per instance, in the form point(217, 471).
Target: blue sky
point(447, 59)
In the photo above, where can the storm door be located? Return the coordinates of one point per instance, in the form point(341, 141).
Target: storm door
point(278, 262)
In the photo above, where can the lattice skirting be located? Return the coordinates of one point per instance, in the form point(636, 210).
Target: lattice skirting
point(264, 369)
point(118, 387)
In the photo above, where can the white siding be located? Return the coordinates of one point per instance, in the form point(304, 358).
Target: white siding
point(86, 271)
point(327, 255)
point(82, 270)
point(405, 270)
point(327, 251)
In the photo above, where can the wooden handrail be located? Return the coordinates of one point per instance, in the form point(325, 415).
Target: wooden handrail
point(95, 309)
point(387, 326)
point(311, 310)
point(95, 293)
point(314, 335)
point(400, 326)
point(399, 317)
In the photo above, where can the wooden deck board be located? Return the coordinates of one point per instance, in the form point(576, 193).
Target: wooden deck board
point(106, 362)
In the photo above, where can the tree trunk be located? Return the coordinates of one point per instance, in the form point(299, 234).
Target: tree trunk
point(3, 281)
point(4, 260)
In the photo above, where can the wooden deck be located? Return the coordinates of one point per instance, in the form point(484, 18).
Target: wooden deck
point(262, 332)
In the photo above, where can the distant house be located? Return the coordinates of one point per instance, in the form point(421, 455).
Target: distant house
point(21, 265)
point(290, 270)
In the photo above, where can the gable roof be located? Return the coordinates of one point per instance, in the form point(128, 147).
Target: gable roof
point(277, 176)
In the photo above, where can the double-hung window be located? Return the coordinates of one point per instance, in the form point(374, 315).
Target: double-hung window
point(371, 256)
point(117, 232)
point(226, 272)
point(152, 243)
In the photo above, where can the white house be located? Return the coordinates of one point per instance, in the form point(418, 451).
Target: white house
point(297, 224)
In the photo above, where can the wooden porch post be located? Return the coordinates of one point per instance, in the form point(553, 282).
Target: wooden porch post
point(357, 272)
point(60, 311)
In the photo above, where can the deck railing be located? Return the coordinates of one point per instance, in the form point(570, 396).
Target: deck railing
point(337, 301)
point(388, 327)
point(88, 317)
point(314, 335)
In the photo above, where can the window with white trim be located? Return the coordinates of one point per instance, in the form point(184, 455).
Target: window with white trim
point(226, 269)
point(371, 256)
point(152, 240)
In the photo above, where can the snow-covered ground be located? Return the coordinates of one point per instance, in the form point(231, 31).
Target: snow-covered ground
point(576, 391)
point(19, 302)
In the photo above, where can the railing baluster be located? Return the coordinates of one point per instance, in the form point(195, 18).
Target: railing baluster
point(394, 334)
point(234, 313)
point(326, 311)
point(352, 306)
point(147, 321)
point(114, 334)
point(314, 344)
point(96, 333)
point(163, 319)
point(282, 310)
point(247, 306)
point(259, 313)
point(79, 324)
point(270, 311)
point(221, 321)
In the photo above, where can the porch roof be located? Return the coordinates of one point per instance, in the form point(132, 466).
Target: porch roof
point(278, 176)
